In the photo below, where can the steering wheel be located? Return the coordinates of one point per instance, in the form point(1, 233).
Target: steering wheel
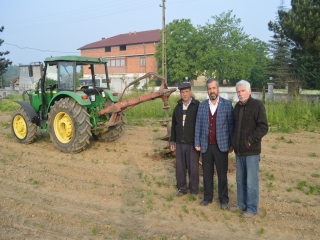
point(65, 86)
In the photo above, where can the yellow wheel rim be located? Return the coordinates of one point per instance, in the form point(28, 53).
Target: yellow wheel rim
point(20, 127)
point(63, 127)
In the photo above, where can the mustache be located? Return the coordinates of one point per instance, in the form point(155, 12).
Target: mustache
point(213, 96)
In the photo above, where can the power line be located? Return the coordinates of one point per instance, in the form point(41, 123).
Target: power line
point(37, 49)
point(105, 8)
point(26, 25)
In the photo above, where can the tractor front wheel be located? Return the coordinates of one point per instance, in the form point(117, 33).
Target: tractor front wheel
point(69, 126)
point(22, 128)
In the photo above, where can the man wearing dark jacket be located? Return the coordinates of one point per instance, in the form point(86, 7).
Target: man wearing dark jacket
point(182, 140)
point(250, 126)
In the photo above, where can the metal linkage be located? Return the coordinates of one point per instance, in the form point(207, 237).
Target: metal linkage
point(116, 109)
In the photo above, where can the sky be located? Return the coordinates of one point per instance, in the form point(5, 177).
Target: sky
point(34, 30)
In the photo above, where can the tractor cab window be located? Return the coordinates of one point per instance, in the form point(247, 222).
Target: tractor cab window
point(51, 78)
point(66, 76)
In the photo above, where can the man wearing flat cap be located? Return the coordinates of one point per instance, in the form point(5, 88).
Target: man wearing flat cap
point(182, 140)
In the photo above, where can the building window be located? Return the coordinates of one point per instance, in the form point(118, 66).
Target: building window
point(123, 47)
point(117, 62)
point(107, 49)
point(142, 61)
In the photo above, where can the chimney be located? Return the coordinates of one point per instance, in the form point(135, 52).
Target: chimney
point(103, 38)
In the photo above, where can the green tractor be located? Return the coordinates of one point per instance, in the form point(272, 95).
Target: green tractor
point(72, 113)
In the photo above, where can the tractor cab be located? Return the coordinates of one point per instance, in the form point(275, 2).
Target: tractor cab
point(63, 77)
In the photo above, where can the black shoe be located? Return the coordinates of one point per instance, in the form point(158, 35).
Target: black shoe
point(205, 202)
point(179, 193)
point(224, 206)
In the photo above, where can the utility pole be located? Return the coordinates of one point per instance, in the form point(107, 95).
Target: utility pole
point(164, 55)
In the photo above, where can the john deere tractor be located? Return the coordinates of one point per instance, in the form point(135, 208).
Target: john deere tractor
point(72, 113)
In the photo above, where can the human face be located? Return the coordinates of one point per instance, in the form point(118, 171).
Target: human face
point(243, 93)
point(185, 94)
point(213, 90)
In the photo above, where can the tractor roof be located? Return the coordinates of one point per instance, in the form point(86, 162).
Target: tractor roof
point(82, 59)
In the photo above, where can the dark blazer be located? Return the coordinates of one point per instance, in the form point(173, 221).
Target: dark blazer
point(180, 133)
point(224, 125)
point(250, 126)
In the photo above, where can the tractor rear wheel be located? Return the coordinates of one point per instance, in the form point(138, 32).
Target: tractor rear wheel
point(22, 128)
point(112, 134)
point(69, 126)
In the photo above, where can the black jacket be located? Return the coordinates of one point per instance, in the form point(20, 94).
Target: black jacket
point(249, 127)
point(184, 134)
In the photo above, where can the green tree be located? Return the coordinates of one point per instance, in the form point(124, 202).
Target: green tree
point(226, 51)
point(301, 25)
point(12, 71)
point(181, 49)
point(279, 66)
point(258, 76)
point(4, 63)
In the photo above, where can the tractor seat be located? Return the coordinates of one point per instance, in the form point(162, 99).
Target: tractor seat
point(91, 91)
point(51, 87)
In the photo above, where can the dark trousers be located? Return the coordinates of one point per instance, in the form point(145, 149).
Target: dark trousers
point(187, 158)
point(211, 156)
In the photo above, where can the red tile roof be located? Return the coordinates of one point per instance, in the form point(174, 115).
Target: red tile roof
point(126, 39)
point(14, 79)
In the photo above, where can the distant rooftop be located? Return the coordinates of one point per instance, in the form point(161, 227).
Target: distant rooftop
point(126, 39)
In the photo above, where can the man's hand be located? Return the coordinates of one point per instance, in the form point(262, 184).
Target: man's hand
point(230, 149)
point(198, 148)
point(172, 147)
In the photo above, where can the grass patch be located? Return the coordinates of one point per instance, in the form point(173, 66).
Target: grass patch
point(296, 200)
point(95, 231)
point(192, 197)
point(261, 231)
point(301, 185)
point(169, 198)
point(5, 125)
point(125, 235)
point(289, 189)
point(313, 154)
point(33, 181)
point(270, 186)
point(185, 210)
point(271, 177)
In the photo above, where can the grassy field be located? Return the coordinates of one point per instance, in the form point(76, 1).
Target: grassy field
point(282, 116)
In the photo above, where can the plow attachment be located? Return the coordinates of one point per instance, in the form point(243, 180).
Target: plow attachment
point(116, 109)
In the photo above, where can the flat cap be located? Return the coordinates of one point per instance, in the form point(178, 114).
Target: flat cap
point(184, 85)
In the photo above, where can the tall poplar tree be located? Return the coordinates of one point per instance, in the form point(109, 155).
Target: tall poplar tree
point(279, 67)
point(301, 25)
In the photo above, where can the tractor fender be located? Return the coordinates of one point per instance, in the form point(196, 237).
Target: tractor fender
point(33, 116)
point(112, 97)
point(77, 96)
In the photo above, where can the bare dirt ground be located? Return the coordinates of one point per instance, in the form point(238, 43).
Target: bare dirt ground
point(125, 190)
